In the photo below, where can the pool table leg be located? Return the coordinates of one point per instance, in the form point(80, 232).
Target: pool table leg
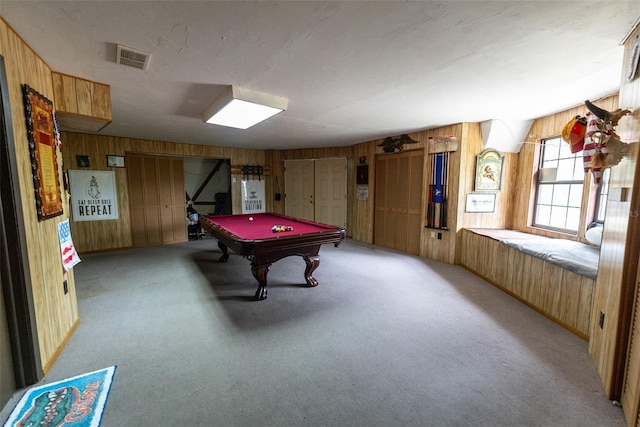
point(260, 273)
point(312, 263)
point(225, 252)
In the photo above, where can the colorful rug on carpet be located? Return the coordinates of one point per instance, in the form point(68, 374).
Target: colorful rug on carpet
point(77, 402)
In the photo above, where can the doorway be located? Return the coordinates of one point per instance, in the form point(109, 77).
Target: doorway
point(19, 351)
point(7, 372)
point(317, 190)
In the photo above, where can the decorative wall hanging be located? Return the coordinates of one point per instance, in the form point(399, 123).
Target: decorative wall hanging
point(362, 192)
point(438, 191)
point(253, 196)
point(480, 202)
point(67, 249)
point(489, 170)
point(362, 172)
point(94, 195)
point(394, 145)
point(442, 143)
point(115, 161)
point(42, 138)
point(82, 161)
point(602, 146)
point(252, 170)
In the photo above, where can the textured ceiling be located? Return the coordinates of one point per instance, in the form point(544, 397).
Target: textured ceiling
point(352, 71)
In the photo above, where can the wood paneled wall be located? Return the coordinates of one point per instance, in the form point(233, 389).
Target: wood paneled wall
point(90, 236)
point(81, 105)
point(103, 235)
point(360, 213)
point(616, 281)
point(561, 295)
point(500, 218)
point(629, 130)
point(56, 312)
point(525, 169)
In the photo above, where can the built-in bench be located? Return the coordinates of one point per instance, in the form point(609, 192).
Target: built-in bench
point(554, 276)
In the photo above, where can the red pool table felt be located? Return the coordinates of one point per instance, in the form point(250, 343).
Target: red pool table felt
point(260, 226)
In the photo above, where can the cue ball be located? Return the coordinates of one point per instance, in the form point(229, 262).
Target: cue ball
point(250, 218)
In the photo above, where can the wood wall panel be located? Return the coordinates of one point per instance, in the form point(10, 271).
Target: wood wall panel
point(84, 97)
point(360, 212)
point(83, 105)
point(472, 145)
point(616, 283)
point(117, 234)
point(65, 92)
point(559, 294)
point(56, 312)
point(609, 294)
point(525, 163)
point(629, 299)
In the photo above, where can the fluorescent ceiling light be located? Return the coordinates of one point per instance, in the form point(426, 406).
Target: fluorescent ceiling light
point(242, 108)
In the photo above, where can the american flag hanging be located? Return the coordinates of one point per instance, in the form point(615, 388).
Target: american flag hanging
point(67, 250)
point(438, 186)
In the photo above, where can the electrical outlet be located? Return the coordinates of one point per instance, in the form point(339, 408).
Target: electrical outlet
point(65, 286)
point(439, 236)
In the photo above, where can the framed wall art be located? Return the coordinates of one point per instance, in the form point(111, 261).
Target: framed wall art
point(42, 138)
point(94, 195)
point(489, 170)
point(480, 202)
point(82, 161)
point(115, 161)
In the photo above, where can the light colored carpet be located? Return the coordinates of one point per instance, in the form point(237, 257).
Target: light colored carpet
point(386, 339)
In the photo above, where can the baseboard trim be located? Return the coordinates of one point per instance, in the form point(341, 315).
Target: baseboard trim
point(61, 347)
point(528, 304)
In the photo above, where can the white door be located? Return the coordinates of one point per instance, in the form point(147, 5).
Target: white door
point(331, 191)
point(299, 188)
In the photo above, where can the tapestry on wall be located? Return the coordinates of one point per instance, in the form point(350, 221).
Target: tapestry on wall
point(42, 139)
point(93, 195)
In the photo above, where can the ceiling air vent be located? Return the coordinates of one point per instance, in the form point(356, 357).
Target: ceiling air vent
point(132, 57)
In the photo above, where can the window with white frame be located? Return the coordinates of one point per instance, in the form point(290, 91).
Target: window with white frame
point(559, 188)
point(603, 194)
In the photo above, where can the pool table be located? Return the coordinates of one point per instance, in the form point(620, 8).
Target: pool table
point(251, 236)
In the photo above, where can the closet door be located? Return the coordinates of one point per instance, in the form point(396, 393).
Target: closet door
point(398, 201)
point(179, 201)
point(331, 191)
point(156, 200)
point(414, 205)
point(379, 201)
point(299, 188)
point(136, 200)
point(151, 200)
point(386, 199)
point(172, 205)
point(402, 202)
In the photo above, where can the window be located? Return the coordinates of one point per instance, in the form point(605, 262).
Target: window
point(603, 193)
point(559, 188)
